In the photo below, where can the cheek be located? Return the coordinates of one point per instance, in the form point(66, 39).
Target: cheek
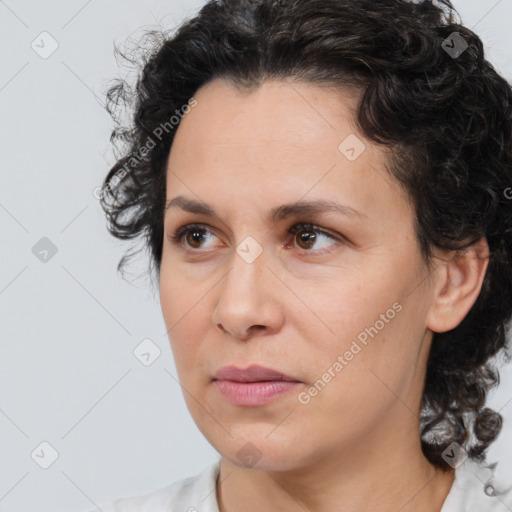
point(180, 294)
point(372, 358)
point(171, 300)
point(339, 309)
point(368, 320)
point(184, 316)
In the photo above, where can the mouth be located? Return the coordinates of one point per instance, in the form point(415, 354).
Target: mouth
point(253, 386)
point(253, 373)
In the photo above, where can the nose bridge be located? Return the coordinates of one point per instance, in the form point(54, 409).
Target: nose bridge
point(247, 271)
point(246, 297)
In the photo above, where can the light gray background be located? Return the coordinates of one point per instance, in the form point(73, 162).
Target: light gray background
point(70, 325)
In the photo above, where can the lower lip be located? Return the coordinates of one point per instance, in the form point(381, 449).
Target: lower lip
point(253, 394)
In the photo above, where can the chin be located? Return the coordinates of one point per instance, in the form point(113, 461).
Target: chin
point(262, 461)
point(256, 449)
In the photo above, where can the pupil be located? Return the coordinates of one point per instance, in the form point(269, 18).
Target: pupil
point(195, 236)
point(308, 238)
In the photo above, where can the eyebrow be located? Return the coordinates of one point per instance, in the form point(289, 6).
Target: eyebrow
point(298, 208)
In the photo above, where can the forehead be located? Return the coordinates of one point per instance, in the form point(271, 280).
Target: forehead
point(277, 112)
point(280, 139)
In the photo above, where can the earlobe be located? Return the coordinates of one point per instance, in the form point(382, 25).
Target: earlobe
point(458, 283)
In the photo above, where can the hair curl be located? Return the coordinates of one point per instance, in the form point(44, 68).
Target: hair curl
point(447, 121)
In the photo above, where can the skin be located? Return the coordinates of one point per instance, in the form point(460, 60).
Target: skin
point(295, 310)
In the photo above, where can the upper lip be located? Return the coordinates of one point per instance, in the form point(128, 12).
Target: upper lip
point(253, 373)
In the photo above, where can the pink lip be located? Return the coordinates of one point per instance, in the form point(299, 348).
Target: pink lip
point(253, 373)
point(253, 386)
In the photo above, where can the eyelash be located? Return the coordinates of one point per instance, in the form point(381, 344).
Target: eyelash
point(176, 238)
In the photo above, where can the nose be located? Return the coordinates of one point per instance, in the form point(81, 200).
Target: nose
point(249, 302)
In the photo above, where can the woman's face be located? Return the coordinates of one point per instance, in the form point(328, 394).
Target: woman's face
point(341, 307)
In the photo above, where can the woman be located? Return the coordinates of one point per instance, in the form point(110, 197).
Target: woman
point(323, 189)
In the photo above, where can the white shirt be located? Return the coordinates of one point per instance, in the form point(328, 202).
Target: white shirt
point(198, 493)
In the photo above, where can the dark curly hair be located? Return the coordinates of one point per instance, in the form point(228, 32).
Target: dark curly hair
point(446, 119)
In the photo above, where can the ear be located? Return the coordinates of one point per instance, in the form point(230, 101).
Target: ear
point(458, 283)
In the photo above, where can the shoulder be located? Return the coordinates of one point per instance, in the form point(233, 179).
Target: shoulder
point(192, 494)
point(475, 489)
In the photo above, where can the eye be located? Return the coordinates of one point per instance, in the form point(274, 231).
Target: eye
point(309, 235)
point(192, 236)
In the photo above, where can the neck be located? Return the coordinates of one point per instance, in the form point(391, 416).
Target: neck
point(361, 478)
